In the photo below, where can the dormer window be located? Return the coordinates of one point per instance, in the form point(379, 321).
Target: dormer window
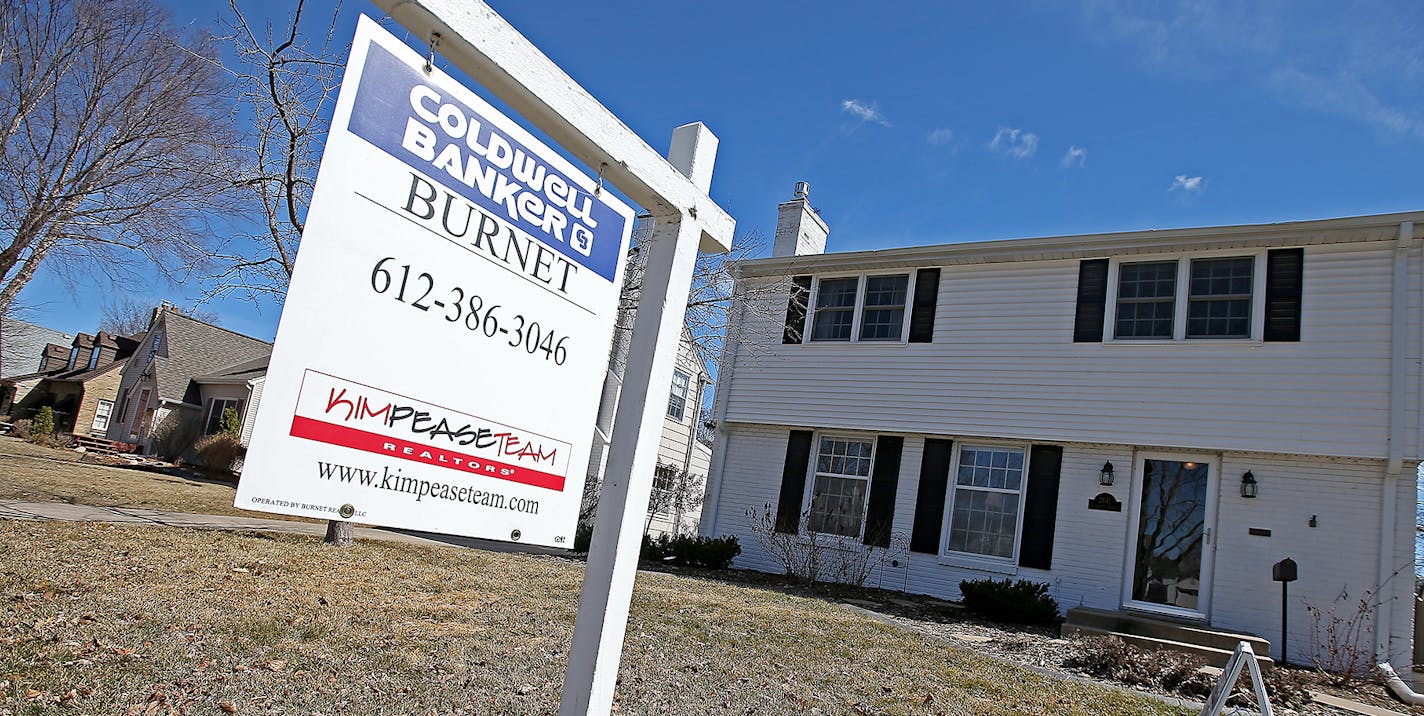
point(73, 356)
point(93, 358)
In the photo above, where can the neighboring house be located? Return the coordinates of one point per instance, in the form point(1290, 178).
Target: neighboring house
point(22, 345)
point(1145, 421)
point(238, 387)
point(80, 389)
point(159, 389)
point(683, 458)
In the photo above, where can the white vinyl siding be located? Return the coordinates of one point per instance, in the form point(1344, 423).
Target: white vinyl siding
point(1004, 365)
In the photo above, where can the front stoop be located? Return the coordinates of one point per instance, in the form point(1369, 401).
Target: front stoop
point(1211, 645)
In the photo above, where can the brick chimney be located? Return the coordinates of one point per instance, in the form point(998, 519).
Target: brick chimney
point(799, 229)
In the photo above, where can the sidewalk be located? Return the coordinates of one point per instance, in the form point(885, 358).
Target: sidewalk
point(68, 512)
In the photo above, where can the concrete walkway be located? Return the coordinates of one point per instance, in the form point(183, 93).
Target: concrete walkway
point(67, 512)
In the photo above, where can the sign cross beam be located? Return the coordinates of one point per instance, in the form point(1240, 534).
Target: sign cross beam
point(474, 38)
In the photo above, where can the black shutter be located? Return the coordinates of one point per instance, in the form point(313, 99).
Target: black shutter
point(1283, 281)
point(922, 315)
point(796, 309)
point(884, 479)
point(929, 501)
point(1040, 507)
point(1092, 301)
point(793, 482)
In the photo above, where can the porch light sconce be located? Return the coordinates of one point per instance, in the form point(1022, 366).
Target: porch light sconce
point(1105, 476)
point(1248, 485)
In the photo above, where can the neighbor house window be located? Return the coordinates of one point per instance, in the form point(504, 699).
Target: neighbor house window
point(1220, 301)
point(840, 486)
point(987, 498)
point(860, 308)
point(1146, 299)
point(93, 358)
point(73, 356)
point(153, 347)
point(102, 411)
point(677, 399)
point(215, 414)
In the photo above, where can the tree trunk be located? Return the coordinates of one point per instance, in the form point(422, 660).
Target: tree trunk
point(338, 532)
point(22, 277)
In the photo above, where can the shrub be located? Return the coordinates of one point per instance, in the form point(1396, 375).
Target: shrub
point(20, 429)
point(1110, 657)
point(691, 551)
point(583, 535)
point(1020, 602)
point(218, 451)
point(42, 425)
point(231, 422)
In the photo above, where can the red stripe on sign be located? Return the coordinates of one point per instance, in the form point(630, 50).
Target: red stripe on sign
point(343, 436)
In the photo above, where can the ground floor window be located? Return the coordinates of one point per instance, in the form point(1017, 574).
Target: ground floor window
point(215, 413)
point(101, 416)
point(987, 500)
point(840, 486)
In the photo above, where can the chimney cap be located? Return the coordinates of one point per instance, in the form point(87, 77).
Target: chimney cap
point(802, 190)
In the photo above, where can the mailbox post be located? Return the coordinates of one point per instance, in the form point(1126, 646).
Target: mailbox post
point(1284, 572)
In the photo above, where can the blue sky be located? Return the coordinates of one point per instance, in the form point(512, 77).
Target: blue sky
point(932, 122)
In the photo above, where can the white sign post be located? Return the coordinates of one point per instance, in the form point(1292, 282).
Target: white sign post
point(440, 355)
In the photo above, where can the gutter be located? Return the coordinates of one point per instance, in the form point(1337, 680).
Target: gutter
point(1398, 384)
point(711, 498)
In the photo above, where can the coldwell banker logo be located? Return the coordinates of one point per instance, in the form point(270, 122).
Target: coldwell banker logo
point(340, 412)
point(417, 122)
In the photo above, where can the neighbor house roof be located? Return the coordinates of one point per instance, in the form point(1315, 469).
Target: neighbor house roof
point(196, 348)
point(239, 373)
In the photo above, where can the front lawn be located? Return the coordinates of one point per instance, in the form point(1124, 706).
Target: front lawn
point(115, 619)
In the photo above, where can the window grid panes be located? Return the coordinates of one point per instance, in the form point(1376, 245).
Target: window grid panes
point(1220, 301)
point(677, 399)
point(882, 316)
point(839, 489)
point(835, 309)
point(1146, 299)
point(987, 497)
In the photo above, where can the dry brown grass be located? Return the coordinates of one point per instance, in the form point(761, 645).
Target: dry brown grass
point(41, 474)
point(114, 619)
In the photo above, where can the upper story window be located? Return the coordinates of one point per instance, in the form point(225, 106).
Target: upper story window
point(73, 356)
point(94, 358)
point(860, 308)
point(840, 486)
point(677, 399)
point(1191, 298)
point(153, 347)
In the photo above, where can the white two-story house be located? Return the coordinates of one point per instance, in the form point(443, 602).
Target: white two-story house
point(1146, 421)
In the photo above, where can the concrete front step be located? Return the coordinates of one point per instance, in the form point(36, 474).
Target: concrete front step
point(1212, 645)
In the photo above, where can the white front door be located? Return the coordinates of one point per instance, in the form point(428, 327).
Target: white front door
point(1170, 545)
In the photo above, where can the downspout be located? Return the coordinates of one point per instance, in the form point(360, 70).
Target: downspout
point(1399, 314)
point(687, 455)
point(711, 498)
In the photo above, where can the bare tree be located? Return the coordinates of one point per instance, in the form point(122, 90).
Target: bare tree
point(127, 316)
point(111, 133)
point(286, 82)
point(676, 492)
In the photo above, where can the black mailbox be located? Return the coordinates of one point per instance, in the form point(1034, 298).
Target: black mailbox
point(1284, 570)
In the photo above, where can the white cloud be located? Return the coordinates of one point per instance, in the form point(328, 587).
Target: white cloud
point(866, 112)
point(1074, 157)
point(1187, 185)
point(941, 137)
point(1015, 143)
point(1346, 96)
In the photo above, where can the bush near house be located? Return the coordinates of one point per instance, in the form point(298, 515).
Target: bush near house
point(690, 551)
point(218, 451)
point(1018, 602)
point(42, 426)
point(230, 423)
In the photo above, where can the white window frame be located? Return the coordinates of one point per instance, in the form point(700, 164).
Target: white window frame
point(672, 394)
point(107, 415)
point(809, 328)
point(212, 407)
point(1183, 296)
point(811, 473)
point(945, 552)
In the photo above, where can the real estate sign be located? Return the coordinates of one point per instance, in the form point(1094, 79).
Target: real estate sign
point(440, 356)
